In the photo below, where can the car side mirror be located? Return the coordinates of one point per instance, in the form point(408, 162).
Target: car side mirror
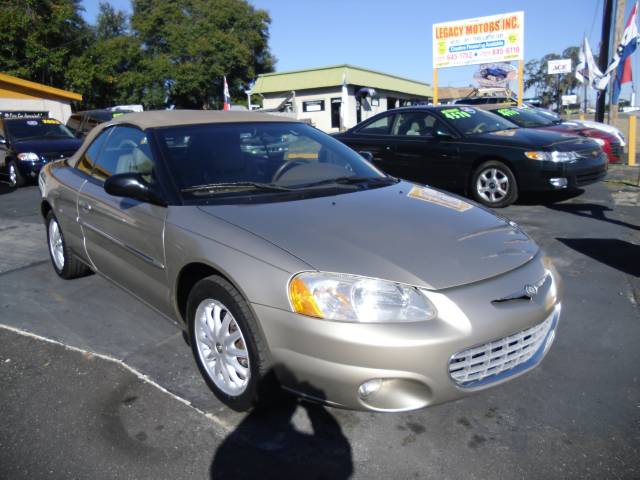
point(132, 185)
point(368, 156)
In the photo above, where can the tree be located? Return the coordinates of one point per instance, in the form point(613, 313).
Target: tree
point(545, 85)
point(111, 22)
point(38, 38)
point(111, 70)
point(191, 44)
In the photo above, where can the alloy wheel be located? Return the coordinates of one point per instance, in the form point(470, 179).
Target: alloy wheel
point(492, 185)
point(13, 175)
point(221, 347)
point(56, 246)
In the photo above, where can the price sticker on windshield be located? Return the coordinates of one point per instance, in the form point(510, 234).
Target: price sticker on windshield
point(508, 112)
point(457, 113)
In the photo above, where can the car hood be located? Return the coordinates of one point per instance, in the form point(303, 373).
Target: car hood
point(405, 233)
point(61, 145)
point(534, 139)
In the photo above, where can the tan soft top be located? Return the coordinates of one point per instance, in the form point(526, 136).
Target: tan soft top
point(167, 118)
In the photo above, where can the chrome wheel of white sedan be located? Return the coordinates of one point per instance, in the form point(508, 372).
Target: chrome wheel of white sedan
point(56, 246)
point(222, 347)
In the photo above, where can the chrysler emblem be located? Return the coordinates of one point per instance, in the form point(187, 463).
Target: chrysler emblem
point(527, 293)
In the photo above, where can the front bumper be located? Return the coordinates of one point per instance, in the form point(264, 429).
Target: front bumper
point(581, 173)
point(329, 361)
point(30, 169)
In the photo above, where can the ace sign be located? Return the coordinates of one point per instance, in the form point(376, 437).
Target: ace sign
point(555, 67)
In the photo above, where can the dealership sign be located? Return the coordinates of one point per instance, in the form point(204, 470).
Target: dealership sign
point(497, 38)
point(555, 67)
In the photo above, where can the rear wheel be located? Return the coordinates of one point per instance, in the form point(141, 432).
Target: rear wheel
point(227, 345)
point(15, 177)
point(64, 261)
point(494, 184)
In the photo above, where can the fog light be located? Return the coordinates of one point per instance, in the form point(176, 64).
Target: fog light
point(369, 387)
point(558, 182)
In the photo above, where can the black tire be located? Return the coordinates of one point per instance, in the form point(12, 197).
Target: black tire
point(499, 182)
point(72, 267)
point(261, 384)
point(16, 179)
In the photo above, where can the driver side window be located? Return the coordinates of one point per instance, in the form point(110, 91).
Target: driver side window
point(414, 124)
point(126, 151)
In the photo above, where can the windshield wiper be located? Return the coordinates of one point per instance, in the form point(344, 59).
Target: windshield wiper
point(351, 181)
point(217, 187)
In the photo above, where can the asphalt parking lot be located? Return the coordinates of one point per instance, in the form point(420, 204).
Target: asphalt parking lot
point(127, 400)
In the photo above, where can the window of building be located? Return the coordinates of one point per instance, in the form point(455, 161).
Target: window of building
point(313, 106)
point(335, 112)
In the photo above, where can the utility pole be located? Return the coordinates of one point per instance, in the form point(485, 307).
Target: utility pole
point(603, 58)
point(617, 36)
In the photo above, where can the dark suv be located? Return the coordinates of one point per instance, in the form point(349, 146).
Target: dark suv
point(26, 144)
point(80, 123)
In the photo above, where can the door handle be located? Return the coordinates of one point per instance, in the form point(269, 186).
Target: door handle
point(84, 206)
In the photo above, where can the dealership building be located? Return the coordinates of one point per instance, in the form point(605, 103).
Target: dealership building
point(317, 95)
point(22, 97)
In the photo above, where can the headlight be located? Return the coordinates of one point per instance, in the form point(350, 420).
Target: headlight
point(553, 156)
point(351, 298)
point(28, 157)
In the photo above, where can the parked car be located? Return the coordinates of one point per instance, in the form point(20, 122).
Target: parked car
point(469, 149)
point(586, 123)
point(531, 118)
point(310, 268)
point(81, 123)
point(602, 127)
point(486, 100)
point(28, 143)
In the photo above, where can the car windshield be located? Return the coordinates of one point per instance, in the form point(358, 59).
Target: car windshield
point(240, 159)
point(525, 117)
point(36, 128)
point(473, 121)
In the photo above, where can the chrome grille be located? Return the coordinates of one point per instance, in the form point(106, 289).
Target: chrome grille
point(501, 358)
point(616, 149)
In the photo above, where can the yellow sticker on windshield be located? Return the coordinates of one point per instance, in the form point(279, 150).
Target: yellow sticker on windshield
point(50, 121)
point(430, 195)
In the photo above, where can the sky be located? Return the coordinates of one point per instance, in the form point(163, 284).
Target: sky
point(395, 36)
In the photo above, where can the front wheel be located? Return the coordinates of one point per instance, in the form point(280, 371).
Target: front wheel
point(15, 177)
point(493, 184)
point(227, 345)
point(64, 261)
